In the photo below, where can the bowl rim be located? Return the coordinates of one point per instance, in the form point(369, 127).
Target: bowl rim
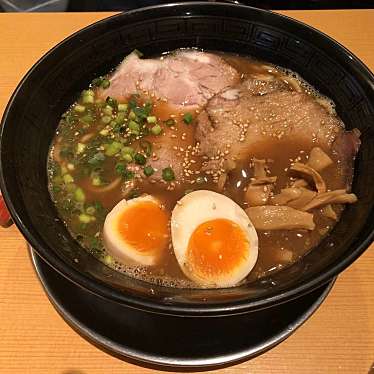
point(125, 350)
point(180, 308)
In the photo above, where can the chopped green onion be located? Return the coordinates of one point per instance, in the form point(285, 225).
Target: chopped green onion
point(144, 111)
point(124, 172)
point(126, 157)
point(106, 119)
point(118, 128)
point(87, 118)
point(88, 99)
point(187, 118)
point(170, 122)
point(100, 82)
point(151, 119)
point(134, 128)
point(79, 108)
point(108, 110)
point(132, 115)
point(79, 195)
point(97, 82)
point(168, 174)
point(96, 159)
point(104, 132)
point(57, 180)
point(148, 171)
point(85, 218)
point(140, 159)
point(111, 102)
point(156, 130)
point(128, 175)
point(146, 146)
point(88, 93)
point(132, 101)
point(67, 153)
point(69, 118)
point(122, 107)
point(68, 178)
point(113, 149)
point(71, 187)
point(91, 210)
point(98, 206)
point(108, 259)
point(105, 83)
point(120, 168)
point(120, 117)
point(80, 148)
point(148, 107)
point(128, 150)
point(96, 181)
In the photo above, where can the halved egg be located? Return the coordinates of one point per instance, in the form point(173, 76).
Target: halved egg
point(137, 231)
point(214, 241)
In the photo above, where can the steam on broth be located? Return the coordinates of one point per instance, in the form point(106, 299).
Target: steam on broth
point(220, 168)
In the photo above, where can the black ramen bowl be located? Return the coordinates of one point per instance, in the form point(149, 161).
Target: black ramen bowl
point(32, 115)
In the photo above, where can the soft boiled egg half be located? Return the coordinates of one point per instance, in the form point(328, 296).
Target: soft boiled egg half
point(214, 241)
point(136, 231)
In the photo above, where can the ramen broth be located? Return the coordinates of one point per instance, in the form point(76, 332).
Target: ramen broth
point(89, 173)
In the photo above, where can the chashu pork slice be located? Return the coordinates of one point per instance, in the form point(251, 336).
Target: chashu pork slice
point(254, 111)
point(186, 79)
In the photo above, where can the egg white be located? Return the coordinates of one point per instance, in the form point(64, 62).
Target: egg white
point(201, 206)
point(117, 246)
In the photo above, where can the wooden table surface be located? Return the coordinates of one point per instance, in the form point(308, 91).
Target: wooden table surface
point(338, 338)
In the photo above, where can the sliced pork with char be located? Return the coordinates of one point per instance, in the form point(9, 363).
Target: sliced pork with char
point(241, 116)
point(346, 147)
point(186, 79)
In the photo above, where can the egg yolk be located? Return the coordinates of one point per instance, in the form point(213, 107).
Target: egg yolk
point(217, 247)
point(144, 226)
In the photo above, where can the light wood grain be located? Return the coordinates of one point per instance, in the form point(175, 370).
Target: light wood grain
point(339, 338)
